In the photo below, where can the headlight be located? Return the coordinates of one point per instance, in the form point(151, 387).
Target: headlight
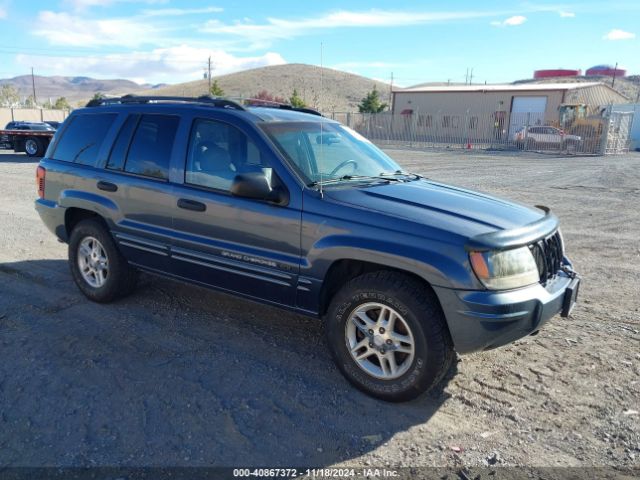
point(501, 270)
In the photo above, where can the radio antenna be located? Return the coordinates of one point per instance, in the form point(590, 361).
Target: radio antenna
point(321, 125)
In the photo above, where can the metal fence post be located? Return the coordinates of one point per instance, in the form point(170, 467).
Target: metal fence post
point(604, 139)
point(526, 137)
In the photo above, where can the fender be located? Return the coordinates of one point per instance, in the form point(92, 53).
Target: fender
point(429, 261)
point(103, 206)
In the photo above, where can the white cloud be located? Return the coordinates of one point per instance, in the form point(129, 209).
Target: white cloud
point(617, 34)
point(86, 4)
point(66, 29)
point(566, 14)
point(3, 13)
point(170, 65)
point(510, 22)
point(176, 12)
point(277, 28)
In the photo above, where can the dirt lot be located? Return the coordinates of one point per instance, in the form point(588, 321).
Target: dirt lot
point(178, 375)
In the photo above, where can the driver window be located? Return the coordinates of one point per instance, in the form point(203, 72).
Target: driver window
point(217, 153)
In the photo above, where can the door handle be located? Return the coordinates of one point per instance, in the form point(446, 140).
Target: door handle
point(191, 205)
point(107, 186)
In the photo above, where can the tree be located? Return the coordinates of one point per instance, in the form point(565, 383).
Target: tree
point(371, 103)
point(9, 95)
point(95, 100)
point(216, 90)
point(29, 102)
point(62, 104)
point(296, 100)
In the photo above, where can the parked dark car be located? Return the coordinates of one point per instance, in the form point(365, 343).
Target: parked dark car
point(53, 124)
point(28, 126)
point(297, 211)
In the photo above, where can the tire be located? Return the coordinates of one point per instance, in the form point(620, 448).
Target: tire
point(418, 317)
point(34, 147)
point(117, 279)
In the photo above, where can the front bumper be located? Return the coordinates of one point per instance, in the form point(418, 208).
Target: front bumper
point(482, 320)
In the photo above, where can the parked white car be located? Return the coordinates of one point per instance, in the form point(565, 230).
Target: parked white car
point(545, 137)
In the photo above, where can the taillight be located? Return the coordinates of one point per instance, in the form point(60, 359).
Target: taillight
point(40, 174)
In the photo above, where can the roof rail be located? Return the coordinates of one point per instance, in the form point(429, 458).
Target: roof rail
point(258, 102)
point(130, 99)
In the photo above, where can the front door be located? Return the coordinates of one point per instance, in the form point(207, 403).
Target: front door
point(247, 246)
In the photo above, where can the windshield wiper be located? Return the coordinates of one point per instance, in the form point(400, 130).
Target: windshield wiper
point(386, 176)
point(352, 177)
point(401, 172)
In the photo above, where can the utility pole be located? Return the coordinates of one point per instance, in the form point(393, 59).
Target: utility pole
point(615, 70)
point(209, 73)
point(33, 84)
point(471, 77)
point(466, 76)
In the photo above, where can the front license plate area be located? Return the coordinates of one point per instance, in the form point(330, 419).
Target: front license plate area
point(570, 297)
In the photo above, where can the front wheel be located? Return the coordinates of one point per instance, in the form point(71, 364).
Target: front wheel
point(388, 336)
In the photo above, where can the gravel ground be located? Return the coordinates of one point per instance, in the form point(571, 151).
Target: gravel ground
point(176, 375)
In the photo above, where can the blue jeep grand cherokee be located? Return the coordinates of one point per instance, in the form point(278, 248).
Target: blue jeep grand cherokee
point(292, 209)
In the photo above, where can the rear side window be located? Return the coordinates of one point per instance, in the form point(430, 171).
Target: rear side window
point(150, 149)
point(82, 138)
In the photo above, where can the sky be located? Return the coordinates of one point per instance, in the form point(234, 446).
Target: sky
point(169, 41)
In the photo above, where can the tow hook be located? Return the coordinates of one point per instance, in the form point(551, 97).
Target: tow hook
point(569, 271)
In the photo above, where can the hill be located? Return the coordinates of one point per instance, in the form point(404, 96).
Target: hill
point(73, 88)
point(341, 91)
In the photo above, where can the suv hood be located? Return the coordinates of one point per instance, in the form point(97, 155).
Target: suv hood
point(437, 205)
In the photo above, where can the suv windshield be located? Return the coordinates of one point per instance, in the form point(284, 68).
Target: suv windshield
point(324, 152)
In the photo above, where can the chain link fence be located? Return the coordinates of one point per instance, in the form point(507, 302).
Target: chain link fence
point(574, 132)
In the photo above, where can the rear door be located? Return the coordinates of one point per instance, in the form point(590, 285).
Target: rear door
point(136, 178)
point(251, 247)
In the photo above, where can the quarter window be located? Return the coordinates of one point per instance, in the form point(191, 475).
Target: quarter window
point(82, 138)
point(150, 150)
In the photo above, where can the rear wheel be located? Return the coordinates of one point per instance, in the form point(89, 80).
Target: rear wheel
point(34, 147)
point(97, 266)
point(388, 336)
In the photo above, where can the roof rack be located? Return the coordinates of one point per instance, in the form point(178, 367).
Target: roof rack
point(130, 99)
point(202, 100)
point(258, 102)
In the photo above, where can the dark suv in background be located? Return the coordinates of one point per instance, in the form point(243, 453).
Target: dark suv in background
point(295, 210)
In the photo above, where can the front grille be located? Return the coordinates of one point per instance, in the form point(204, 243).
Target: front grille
point(548, 254)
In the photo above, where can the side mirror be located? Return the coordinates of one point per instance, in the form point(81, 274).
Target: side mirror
point(257, 185)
